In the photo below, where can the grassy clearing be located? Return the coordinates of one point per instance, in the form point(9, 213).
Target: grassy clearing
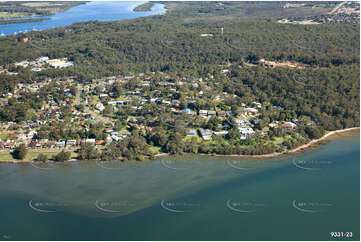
point(6, 157)
point(30, 156)
point(278, 140)
point(188, 138)
point(154, 149)
point(4, 135)
point(42, 4)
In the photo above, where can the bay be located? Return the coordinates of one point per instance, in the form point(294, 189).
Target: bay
point(187, 198)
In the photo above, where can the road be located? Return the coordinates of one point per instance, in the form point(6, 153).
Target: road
point(79, 95)
point(43, 150)
point(97, 116)
point(336, 8)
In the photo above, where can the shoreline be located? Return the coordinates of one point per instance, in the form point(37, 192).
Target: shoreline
point(286, 152)
point(301, 148)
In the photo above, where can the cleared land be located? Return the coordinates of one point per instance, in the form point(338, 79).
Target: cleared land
point(30, 156)
point(42, 4)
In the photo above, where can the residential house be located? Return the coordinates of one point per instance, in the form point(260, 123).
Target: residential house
point(71, 142)
point(222, 132)
point(99, 106)
point(243, 127)
point(100, 142)
point(203, 113)
point(191, 132)
point(166, 102)
point(103, 95)
point(206, 134)
point(221, 113)
point(176, 102)
point(273, 125)
point(60, 144)
point(90, 141)
point(288, 125)
point(212, 113)
point(51, 143)
point(109, 140)
point(189, 111)
point(250, 111)
point(42, 59)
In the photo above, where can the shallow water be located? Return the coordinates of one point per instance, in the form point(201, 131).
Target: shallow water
point(187, 198)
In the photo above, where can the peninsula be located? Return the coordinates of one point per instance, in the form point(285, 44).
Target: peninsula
point(180, 83)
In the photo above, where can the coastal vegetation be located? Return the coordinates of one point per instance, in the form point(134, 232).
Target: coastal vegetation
point(62, 156)
point(42, 158)
point(144, 7)
point(20, 152)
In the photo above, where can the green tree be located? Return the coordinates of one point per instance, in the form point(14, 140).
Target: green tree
point(233, 134)
point(174, 144)
point(87, 152)
point(62, 156)
point(108, 111)
point(20, 152)
point(42, 158)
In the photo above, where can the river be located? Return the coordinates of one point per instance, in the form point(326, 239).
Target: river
point(98, 10)
point(299, 197)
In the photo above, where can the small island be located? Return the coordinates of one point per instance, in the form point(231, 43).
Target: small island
point(144, 7)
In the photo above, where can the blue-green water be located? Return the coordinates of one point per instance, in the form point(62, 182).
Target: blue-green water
point(187, 198)
point(102, 11)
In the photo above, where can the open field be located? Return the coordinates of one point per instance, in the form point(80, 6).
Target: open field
point(30, 156)
point(42, 4)
point(3, 135)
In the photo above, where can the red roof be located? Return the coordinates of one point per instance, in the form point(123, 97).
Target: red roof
point(100, 142)
point(12, 136)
